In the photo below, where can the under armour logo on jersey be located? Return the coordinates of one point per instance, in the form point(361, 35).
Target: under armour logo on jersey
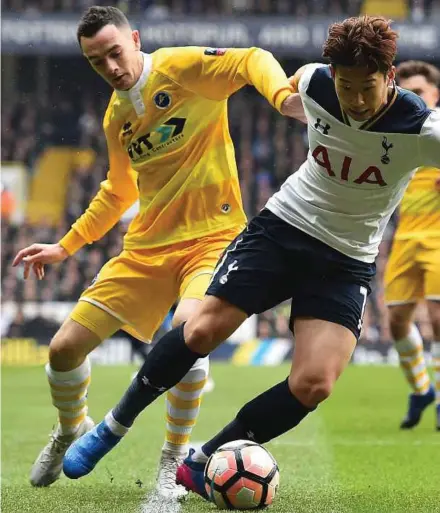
point(231, 267)
point(325, 128)
point(385, 159)
point(251, 435)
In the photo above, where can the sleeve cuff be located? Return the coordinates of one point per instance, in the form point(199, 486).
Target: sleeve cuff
point(280, 96)
point(72, 242)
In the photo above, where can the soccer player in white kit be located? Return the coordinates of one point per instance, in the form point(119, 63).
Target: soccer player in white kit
point(315, 242)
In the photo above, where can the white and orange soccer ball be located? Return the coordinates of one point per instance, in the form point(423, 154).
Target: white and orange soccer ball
point(241, 475)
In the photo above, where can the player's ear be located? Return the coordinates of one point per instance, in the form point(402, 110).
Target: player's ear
point(391, 75)
point(137, 39)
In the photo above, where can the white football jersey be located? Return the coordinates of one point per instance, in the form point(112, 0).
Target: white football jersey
point(354, 178)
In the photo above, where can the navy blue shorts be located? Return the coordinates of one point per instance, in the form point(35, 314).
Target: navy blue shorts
point(272, 261)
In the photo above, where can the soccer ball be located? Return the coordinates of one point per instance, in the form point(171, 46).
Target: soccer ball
point(241, 475)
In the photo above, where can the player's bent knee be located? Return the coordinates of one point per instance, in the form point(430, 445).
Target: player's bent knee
point(400, 320)
point(200, 335)
point(64, 354)
point(70, 345)
point(399, 330)
point(311, 389)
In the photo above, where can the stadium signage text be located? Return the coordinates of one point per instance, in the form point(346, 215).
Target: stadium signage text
point(56, 35)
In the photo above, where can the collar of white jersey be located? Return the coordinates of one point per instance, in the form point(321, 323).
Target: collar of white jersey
point(133, 92)
point(379, 114)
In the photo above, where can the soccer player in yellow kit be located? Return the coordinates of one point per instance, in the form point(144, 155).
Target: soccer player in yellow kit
point(413, 269)
point(169, 146)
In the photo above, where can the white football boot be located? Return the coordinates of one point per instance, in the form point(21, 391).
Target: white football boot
point(49, 464)
point(166, 486)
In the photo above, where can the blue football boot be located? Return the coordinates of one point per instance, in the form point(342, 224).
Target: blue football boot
point(83, 455)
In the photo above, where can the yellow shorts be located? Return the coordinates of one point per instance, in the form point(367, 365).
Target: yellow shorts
point(135, 290)
point(413, 271)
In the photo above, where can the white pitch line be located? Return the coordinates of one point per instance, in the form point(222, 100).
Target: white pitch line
point(153, 503)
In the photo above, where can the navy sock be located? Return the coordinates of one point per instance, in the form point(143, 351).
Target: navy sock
point(235, 430)
point(165, 365)
point(267, 416)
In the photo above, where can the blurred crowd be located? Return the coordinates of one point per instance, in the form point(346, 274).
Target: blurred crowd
point(52, 120)
point(161, 9)
point(66, 281)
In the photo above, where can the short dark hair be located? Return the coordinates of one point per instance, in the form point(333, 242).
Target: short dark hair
point(362, 41)
point(97, 17)
point(409, 69)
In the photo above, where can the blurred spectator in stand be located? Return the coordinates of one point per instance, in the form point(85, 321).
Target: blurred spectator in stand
point(7, 204)
point(162, 9)
point(17, 327)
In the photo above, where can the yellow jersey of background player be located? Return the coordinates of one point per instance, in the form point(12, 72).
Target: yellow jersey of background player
point(413, 269)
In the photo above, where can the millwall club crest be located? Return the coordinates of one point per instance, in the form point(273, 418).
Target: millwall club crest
point(385, 159)
point(162, 100)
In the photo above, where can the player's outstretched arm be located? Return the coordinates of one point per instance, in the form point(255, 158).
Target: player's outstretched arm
point(37, 255)
point(116, 194)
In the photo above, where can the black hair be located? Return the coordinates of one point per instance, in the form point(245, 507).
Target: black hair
point(97, 17)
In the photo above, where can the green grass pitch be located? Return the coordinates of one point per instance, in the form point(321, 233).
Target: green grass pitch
point(349, 456)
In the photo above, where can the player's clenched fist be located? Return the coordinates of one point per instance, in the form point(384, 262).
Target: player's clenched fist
point(35, 256)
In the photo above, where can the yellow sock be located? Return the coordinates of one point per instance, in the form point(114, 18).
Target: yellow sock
point(435, 351)
point(183, 405)
point(412, 361)
point(69, 395)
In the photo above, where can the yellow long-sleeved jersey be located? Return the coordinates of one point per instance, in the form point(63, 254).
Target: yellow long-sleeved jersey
point(420, 206)
point(169, 145)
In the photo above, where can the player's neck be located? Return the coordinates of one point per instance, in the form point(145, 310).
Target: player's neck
point(387, 98)
point(139, 70)
point(390, 93)
point(140, 66)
